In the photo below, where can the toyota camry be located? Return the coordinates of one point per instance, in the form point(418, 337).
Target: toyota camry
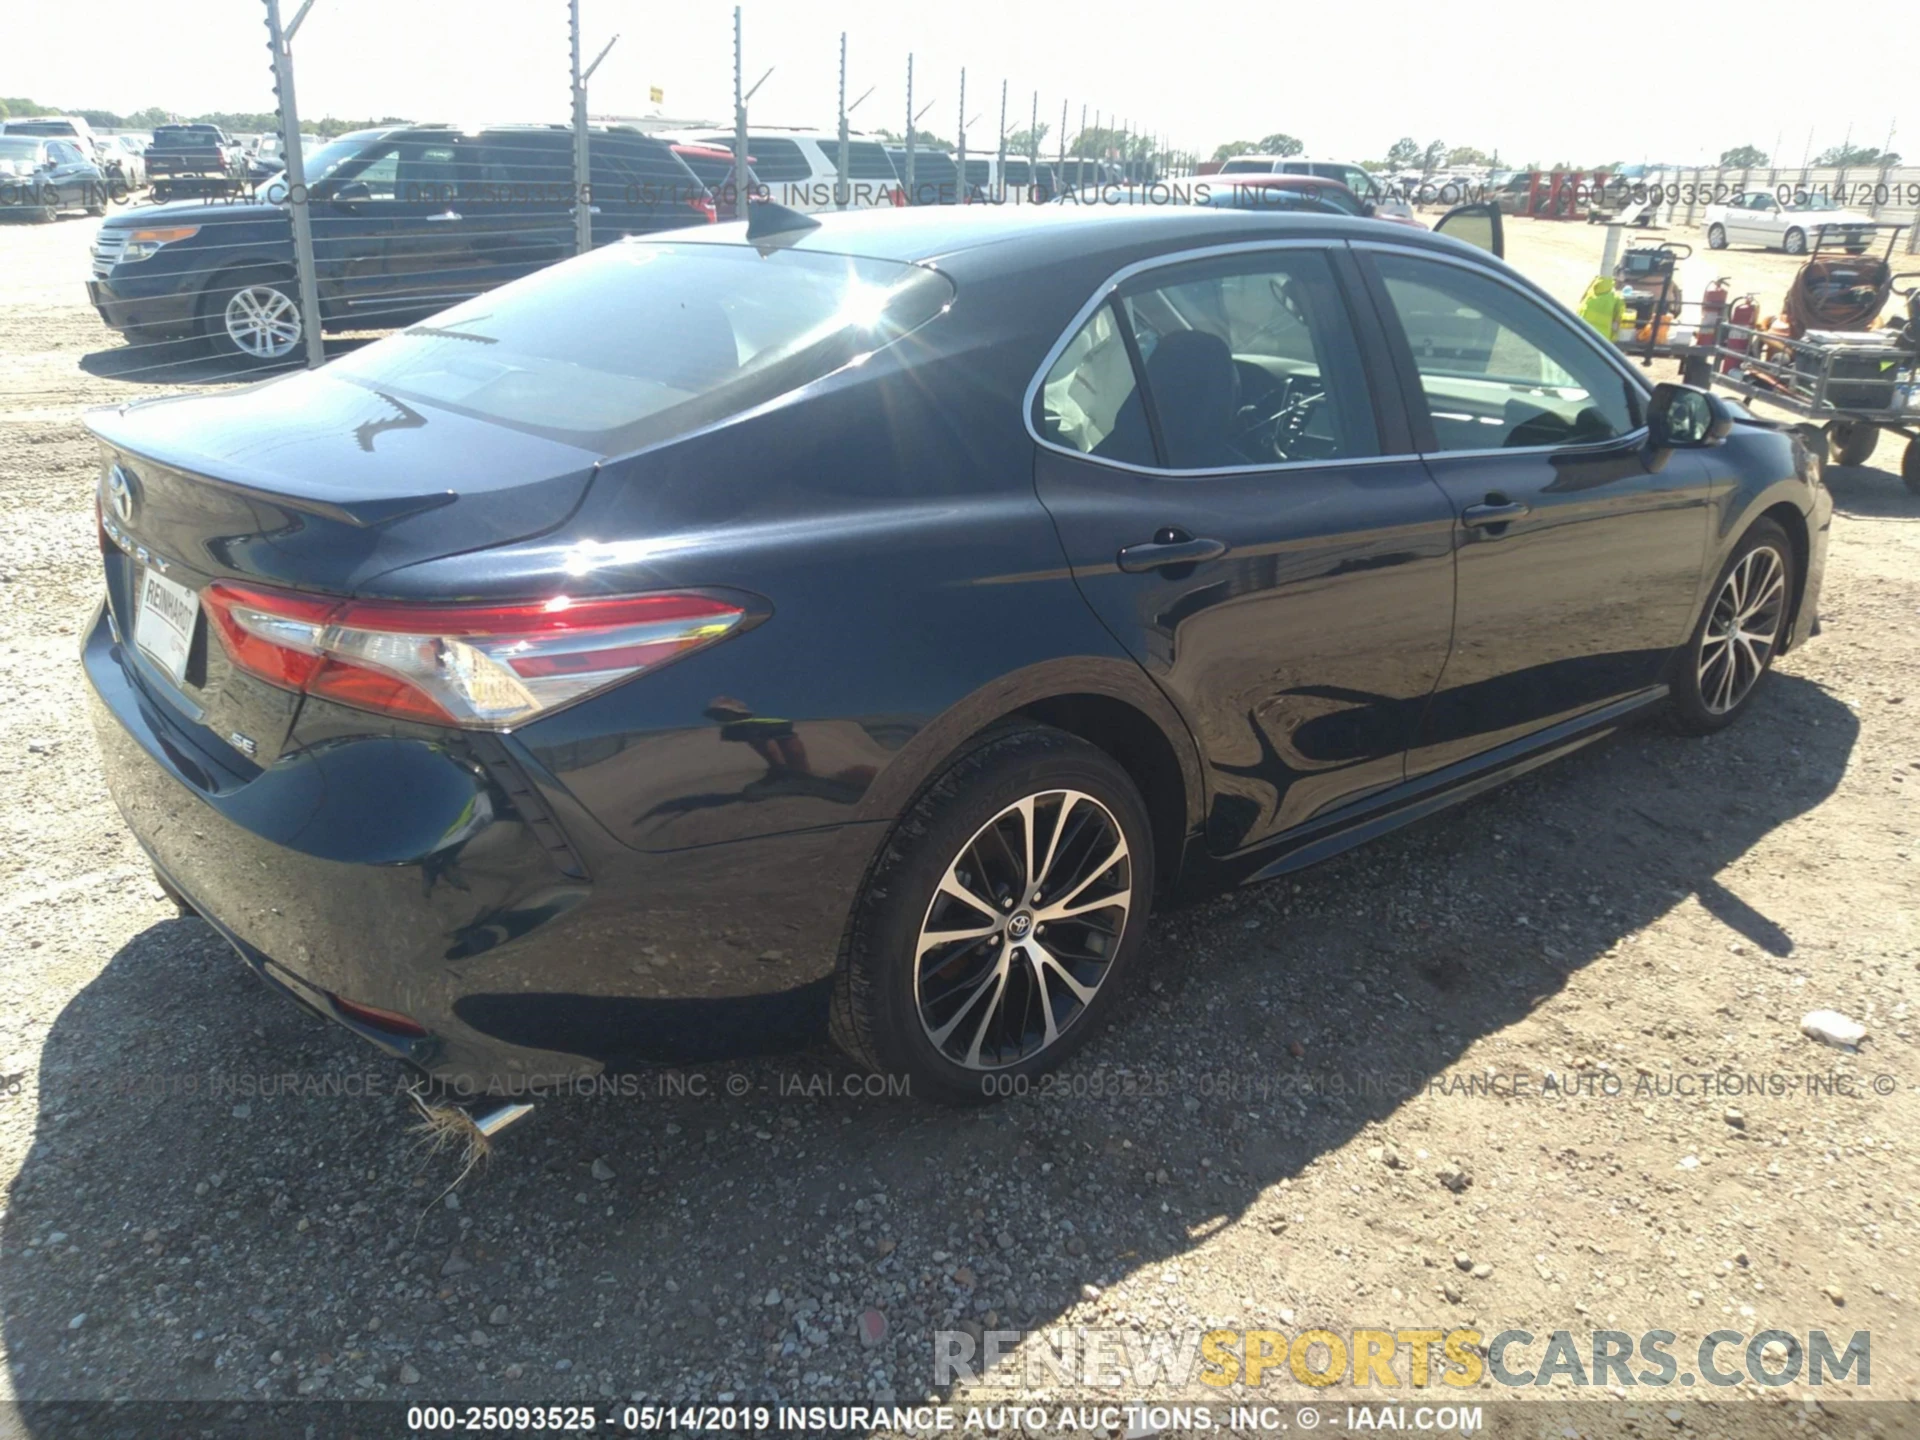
point(859, 623)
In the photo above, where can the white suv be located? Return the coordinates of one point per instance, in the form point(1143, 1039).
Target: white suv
point(801, 168)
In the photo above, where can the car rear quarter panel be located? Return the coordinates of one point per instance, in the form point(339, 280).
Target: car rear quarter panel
point(917, 591)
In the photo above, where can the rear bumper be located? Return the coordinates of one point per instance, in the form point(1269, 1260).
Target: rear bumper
point(398, 873)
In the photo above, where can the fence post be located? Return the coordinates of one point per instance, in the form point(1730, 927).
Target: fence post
point(582, 212)
point(739, 126)
point(298, 200)
point(1000, 154)
point(1062, 177)
point(910, 127)
point(960, 139)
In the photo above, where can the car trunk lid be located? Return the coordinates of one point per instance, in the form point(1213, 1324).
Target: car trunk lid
point(307, 483)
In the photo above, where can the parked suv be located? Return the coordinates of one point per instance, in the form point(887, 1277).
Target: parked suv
point(58, 127)
point(406, 221)
point(801, 170)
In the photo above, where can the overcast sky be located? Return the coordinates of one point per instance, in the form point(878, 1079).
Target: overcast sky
point(1536, 81)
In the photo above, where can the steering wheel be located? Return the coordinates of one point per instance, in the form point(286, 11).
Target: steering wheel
point(1273, 424)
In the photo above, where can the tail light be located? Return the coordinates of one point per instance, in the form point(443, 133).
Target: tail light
point(704, 204)
point(899, 197)
point(475, 666)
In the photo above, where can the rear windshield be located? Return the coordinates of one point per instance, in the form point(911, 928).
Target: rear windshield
point(1247, 167)
point(184, 135)
point(19, 148)
point(641, 342)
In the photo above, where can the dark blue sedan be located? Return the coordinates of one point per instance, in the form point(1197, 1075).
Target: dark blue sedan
point(863, 621)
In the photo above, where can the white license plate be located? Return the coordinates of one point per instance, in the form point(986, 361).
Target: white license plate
point(165, 612)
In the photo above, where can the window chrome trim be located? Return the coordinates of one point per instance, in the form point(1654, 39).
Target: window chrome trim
point(1121, 276)
point(1104, 293)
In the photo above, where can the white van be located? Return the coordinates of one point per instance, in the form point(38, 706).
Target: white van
point(800, 169)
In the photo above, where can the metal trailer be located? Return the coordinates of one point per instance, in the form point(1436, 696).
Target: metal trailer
point(1847, 387)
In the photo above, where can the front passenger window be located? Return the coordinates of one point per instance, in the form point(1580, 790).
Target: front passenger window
point(1251, 361)
point(1501, 371)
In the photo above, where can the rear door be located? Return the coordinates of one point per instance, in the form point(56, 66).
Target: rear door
point(1251, 525)
point(520, 216)
point(389, 239)
point(1578, 565)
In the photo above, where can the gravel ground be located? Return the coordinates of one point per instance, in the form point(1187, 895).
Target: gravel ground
point(195, 1210)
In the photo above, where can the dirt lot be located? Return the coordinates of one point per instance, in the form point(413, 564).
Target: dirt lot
point(194, 1211)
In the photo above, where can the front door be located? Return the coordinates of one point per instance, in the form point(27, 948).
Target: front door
point(1578, 565)
point(1251, 527)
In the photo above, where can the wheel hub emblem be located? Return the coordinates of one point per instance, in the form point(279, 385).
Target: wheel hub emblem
point(1020, 925)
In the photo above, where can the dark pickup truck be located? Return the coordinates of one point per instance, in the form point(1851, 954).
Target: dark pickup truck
point(189, 153)
point(406, 220)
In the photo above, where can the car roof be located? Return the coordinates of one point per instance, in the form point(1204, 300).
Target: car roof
point(1010, 236)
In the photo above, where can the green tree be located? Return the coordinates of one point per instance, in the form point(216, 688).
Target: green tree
point(1279, 143)
point(1029, 142)
point(1403, 154)
point(922, 139)
point(1431, 157)
point(1467, 155)
point(1855, 155)
point(1743, 157)
point(1233, 148)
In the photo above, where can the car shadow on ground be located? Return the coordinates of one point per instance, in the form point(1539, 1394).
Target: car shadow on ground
point(194, 362)
point(223, 1200)
point(1872, 492)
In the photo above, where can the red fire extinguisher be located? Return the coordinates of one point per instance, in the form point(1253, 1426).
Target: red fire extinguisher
point(1745, 315)
point(1713, 309)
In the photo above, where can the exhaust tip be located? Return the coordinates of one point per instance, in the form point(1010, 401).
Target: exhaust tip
point(491, 1122)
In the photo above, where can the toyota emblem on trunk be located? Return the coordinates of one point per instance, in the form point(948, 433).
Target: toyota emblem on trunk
point(120, 494)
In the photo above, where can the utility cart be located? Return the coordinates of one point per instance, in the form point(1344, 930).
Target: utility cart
point(1849, 385)
point(1849, 380)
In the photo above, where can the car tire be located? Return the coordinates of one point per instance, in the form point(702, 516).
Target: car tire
point(1852, 442)
point(1716, 237)
point(1794, 242)
point(1718, 673)
point(1910, 466)
point(974, 1017)
point(254, 316)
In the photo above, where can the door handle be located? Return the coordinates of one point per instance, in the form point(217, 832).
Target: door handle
point(1494, 512)
point(445, 215)
point(1168, 547)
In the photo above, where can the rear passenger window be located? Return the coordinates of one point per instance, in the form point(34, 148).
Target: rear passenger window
point(1251, 360)
point(1499, 370)
point(865, 160)
point(776, 160)
point(1089, 402)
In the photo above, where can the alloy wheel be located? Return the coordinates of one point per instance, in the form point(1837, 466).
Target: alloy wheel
point(1022, 929)
point(1742, 629)
point(262, 322)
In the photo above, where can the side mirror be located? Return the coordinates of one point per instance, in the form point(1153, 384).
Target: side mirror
point(352, 192)
point(1479, 224)
point(1684, 417)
